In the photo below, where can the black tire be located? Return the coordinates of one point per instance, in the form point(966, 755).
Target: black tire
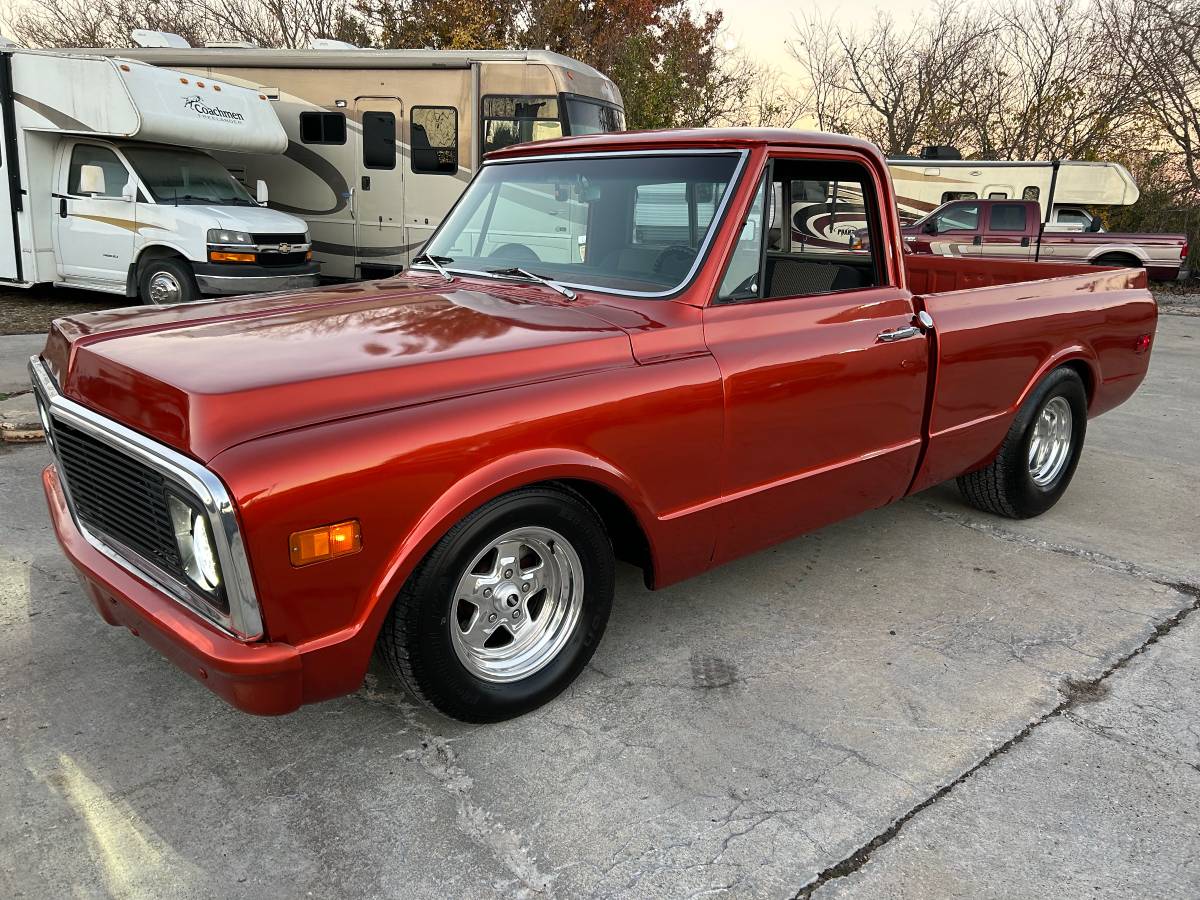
point(172, 269)
point(416, 641)
point(1005, 486)
point(1118, 259)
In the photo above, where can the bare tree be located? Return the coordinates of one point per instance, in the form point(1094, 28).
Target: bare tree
point(825, 95)
point(1049, 86)
point(1158, 41)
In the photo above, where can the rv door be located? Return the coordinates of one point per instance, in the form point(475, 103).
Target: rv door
point(94, 222)
point(379, 187)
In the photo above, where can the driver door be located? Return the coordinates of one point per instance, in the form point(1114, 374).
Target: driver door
point(94, 223)
point(823, 367)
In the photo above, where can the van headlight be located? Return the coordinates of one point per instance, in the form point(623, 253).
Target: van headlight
point(196, 548)
point(221, 236)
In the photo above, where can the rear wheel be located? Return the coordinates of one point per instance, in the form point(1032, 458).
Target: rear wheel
point(506, 609)
point(167, 280)
point(1118, 259)
point(1038, 457)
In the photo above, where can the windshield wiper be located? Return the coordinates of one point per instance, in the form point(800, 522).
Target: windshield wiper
point(515, 272)
point(436, 262)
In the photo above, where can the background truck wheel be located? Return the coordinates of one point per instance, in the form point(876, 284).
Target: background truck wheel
point(506, 609)
point(1118, 259)
point(167, 280)
point(1038, 457)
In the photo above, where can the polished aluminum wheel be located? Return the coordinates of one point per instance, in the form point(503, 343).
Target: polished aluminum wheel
point(1050, 446)
point(165, 288)
point(517, 604)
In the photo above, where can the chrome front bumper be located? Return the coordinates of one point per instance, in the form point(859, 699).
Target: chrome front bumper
point(254, 284)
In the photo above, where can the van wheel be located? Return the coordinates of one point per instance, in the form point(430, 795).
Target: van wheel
point(506, 609)
point(1038, 457)
point(167, 280)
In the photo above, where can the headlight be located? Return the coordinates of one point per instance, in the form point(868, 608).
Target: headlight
point(221, 236)
point(195, 542)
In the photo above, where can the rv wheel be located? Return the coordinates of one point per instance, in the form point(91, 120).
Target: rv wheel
point(166, 281)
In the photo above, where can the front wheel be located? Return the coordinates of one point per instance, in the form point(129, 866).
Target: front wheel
point(165, 281)
point(1035, 463)
point(506, 609)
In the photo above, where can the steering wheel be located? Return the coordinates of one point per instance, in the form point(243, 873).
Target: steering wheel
point(517, 252)
point(674, 260)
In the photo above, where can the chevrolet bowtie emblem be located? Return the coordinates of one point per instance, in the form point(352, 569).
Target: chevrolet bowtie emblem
point(285, 248)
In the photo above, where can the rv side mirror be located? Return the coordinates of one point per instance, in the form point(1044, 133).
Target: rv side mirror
point(129, 192)
point(260, 192)
point(91, 180)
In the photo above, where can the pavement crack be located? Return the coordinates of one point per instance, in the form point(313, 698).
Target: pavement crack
point(1095, 557)
point(1072, 693)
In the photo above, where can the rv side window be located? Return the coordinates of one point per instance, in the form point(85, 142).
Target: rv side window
point(379, 140)
point(115, 173)
point(959, 195)
point(322, 128)
point(515, 120)
point(434, 139)
point(1033, 192)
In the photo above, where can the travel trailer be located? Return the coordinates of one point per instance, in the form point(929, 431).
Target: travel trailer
point(104, 170)
point(922, 185)
point(380, 143)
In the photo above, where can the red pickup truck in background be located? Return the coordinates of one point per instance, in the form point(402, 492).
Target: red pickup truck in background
point(447, 463)
point(1010, 229)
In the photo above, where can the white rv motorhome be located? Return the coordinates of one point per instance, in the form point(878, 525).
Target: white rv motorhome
point(922, 185)
point(103, 168)
point(380, 143)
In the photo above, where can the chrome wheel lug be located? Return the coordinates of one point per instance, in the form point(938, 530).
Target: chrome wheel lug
point(487, 592)
point(508, 573)
point(525, 587)
point(492, 617)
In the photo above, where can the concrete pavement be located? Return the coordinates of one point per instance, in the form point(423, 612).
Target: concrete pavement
point(923, 701)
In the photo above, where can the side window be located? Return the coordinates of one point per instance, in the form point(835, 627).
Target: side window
point(963, 217)
point(379, 139)
point(113, 174)
point(948, 196)
point(1008, 217)
point(434, 139)
point(322, 128)
point(998, 195)
point(741, 281)
point(1032, 192)
point(516, 119)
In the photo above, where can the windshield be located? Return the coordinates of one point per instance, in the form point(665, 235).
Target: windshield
point(625, 222)
point(186, 176)
point(588, 117)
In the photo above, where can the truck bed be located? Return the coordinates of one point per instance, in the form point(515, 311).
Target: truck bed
point(1000, 325)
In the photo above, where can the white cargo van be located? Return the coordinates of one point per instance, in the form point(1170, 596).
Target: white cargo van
point(103, 165)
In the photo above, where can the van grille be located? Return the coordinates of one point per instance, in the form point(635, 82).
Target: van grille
point(119, 497)
point(267, 239)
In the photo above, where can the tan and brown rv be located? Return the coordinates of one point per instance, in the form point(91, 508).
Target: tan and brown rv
point(382, 142)
point(922, 185)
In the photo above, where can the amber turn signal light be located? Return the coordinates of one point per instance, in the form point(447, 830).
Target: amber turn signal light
point(226, 256)
point(326, 542)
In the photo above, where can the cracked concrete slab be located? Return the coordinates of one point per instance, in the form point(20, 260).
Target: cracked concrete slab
point(736, 734)
point(1102, 801)
point(15, 350)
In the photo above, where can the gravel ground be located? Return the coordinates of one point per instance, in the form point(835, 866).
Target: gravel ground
point(30, 310)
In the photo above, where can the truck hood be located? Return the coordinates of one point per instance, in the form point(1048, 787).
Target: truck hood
point(252, 218)
point(203, 377)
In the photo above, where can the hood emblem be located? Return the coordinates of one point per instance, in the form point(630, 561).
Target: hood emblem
point(285, 248)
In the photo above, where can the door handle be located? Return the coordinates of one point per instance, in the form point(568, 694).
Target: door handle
point(62, 207)
point(899, 334)
point(366, 182)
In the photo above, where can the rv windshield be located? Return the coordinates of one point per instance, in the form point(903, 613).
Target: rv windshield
point(186, 176)
point(625, 222)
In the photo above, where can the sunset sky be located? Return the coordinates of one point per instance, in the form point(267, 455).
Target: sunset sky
point(762, 27)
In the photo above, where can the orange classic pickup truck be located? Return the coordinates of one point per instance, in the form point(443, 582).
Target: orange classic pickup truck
point(608, 350)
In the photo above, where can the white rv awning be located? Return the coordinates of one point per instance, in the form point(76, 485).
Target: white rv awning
point(114, 97)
